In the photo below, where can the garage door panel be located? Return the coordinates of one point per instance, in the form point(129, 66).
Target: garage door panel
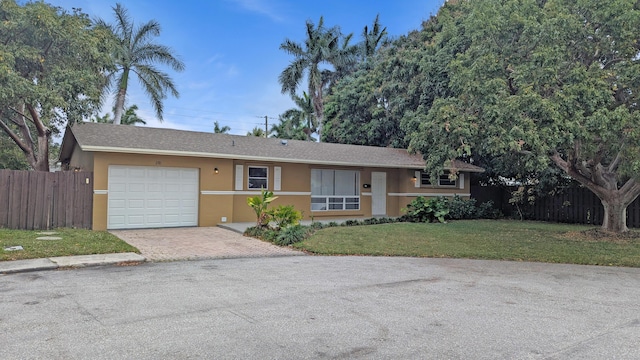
point(154, 187)
point(145, 197)
point(136, 204)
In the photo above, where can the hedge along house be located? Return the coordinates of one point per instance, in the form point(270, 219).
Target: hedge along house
point(150, 177)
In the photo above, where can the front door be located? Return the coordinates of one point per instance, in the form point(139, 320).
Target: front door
point(378, 193)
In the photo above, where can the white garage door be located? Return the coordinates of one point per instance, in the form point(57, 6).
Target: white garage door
point(150, 197)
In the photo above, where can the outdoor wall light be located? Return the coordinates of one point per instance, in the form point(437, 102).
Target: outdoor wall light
point(215, 170)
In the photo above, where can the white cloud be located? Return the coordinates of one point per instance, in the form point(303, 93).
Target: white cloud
point(262, 7)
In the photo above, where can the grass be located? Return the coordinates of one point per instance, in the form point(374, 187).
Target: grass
point(74, 242)
point(481, 239)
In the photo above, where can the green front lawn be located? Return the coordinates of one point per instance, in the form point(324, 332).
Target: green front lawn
point(480, 239)
point(73, 242)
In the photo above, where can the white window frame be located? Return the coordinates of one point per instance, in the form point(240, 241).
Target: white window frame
point(249, 177)
point(343, 201)
point(425, 180)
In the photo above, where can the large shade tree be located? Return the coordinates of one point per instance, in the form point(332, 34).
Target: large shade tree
point(543, 84)
point(324, 51)
point(134, 52)
point(51, 70)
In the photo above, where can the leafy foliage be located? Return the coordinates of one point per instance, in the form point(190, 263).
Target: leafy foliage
point(51, 70)
point(130, 117)
point(134, 51)
point(322, 46)
point(259, 204)
point(460, 209)
point(291, 235)
point(297, 123)
point(426, 210)
point(217, 129)
point(553, 86)
point(285, 216)
point(257, 132)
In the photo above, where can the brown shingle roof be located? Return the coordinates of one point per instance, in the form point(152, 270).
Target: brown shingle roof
point(146, 140)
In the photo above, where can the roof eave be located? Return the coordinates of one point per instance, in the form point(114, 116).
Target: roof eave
point(239, 157)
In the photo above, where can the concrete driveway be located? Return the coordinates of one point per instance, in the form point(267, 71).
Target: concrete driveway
point(198, 243)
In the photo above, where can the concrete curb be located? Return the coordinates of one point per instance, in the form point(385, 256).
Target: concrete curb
point(65, 262)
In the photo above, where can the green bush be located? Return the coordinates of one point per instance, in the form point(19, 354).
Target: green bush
point(259, 204)
point(352, 223)
point(285, 215)
point(291, 235)
point(467, 209)
point(426, 210)
point(261, 233)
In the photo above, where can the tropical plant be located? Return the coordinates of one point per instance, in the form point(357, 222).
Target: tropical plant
point(260, 204)
point(372, 38)
point(257, 132)
point(217, 129)
point(135, 52)
point(297, 123)
point(130, 117)
point(284, 216)
point(292, 234)
point(322, 46)
point(426, 210)
point(52, 66)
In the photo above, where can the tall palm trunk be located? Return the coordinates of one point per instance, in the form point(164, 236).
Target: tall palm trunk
point(120, 97)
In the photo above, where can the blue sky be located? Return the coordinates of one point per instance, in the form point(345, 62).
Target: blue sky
point(231, 50)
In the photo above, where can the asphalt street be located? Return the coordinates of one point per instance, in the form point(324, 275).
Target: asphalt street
point(323, 308)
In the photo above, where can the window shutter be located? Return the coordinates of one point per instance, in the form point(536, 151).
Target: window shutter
point(418, 179)
point(239, 177)
point(277, 178)
point(461, 180)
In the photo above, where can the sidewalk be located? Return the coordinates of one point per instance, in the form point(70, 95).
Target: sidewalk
point(10, 267)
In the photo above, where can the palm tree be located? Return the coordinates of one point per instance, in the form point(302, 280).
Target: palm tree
point(130, 117)
point(372, 38)
point(297, 123)
point(104, 119)
point(135, 52)
point(220, 130)
point(257, 131)
point(322, 46)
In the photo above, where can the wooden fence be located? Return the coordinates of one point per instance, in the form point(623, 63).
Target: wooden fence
point(37, 200)
point(572, 205)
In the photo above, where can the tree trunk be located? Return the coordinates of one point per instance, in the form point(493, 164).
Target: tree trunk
point(615, 215)
point(120, 98)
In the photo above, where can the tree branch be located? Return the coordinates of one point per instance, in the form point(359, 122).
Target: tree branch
point(569, 168)
point(16, 139)
point(35, 117)
point(21, 113)
point(616, 162)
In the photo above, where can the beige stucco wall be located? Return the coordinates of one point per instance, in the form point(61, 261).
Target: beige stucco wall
point(219, 199)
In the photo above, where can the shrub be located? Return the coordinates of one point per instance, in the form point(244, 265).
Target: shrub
point(317, 225)
point(291, 235)
point(426, 210)
point(259, 204)
point(285, 215)
point(467, 209)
